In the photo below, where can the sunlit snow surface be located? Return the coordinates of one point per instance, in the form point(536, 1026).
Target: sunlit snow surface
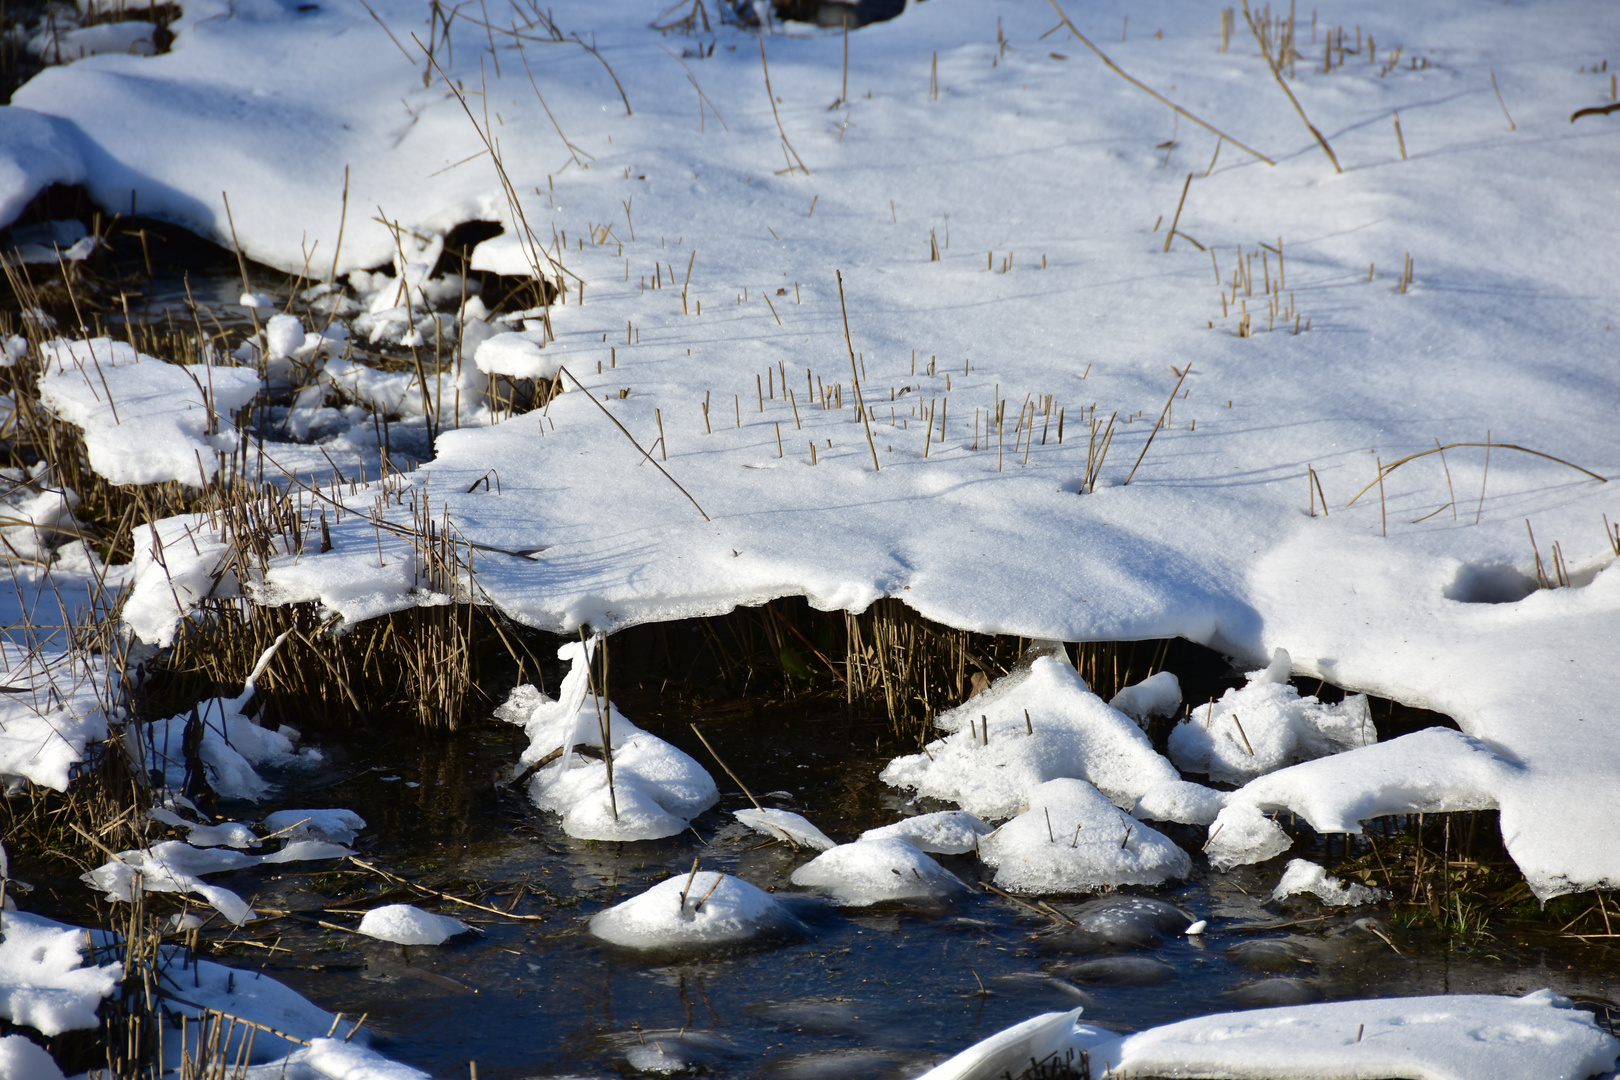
point(1048, 183)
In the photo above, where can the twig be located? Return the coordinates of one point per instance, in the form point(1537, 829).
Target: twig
point(726, 767)
point(1511, 125)
point(633, 442)
point(772, 96)
point(1392, 466)
point(443, 895)
point(1160, 422)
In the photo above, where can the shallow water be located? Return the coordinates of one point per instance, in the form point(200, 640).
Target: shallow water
point(875, 992)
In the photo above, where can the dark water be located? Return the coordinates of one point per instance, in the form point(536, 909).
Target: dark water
point(875, 992)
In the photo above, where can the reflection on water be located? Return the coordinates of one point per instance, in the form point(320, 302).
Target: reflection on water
point(872, 993)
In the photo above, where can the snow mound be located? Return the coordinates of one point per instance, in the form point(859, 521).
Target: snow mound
point(21, 1059)
point(869, 872)
point(1303, 876)
point(1037, 724)
point(1265, 726)
point(520, 355)
point(1155, 697)
point(787, 826)
point(1182, 801)
point(43, 981)
point(656, 790)
point(144, 421)
point(947, 832)
point(1072, 839)
point(55, 712)
point(1049, 1038)
point(407, 925)
point(705, 908)
point(338, 826)
point(1427, 772)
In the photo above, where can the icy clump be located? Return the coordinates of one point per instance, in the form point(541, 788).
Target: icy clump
point(232, 748)
point(338, 826)
point(870, 872)
point(43, 981)
point(1155, 697)
point(1072, 839)
point(1427, 772)
point(1303, 876)
point(1035, 725)
point(144, 421)
point(231, 834)
point(787, 826)
point(947, 832)
point(656, 790)
point(175, 866)
point(22, 1059)
point(407, 925)
point(705, 908)
point(1265, 726)
point(53, 714)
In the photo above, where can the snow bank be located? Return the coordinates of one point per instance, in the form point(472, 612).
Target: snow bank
point(785, 825)
point(21, 1059)
point(945, 832)
point(1035, 725)
point(407, 925)
point(1072, 839)
point(1266, 725)
point(43, 981)
point(54, 713)
point(867, 872)
point(145, 421)
point(1043, 1039)
point(705, 908)
point(35, 152)
point(1301, 876)
point(656, 789)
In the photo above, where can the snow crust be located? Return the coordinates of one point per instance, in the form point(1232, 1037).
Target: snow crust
point(1053, 304)
point(944, 832)
point(656, 788)
point(1302, 876)
point(673, 914)
point(867, 872)
point(786, 825)
point(407, 925)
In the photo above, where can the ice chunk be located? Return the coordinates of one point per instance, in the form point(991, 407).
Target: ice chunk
point(1267, 725)
point(1035, 725)
point(407, 925)
point(43, 981)
point(947, 832)
point(232, 749)
point(338, 826)
point(1072, 839)
point(705, 908)
point(144, 421)
point(22, 1059)
point(1304, 876)
point(786, 825)
point(232, 834)
point(875, 872)
point(1155, 697)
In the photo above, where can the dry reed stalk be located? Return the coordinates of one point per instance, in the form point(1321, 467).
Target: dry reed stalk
point(1511, 125)
point(1265, 49)
point(1174, 221)
point(1399, 138)
point(632, 438)
point(1385, 470)
point(1181, 377)
point(796, 163)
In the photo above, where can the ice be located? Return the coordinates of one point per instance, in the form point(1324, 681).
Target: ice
point(870, 872)
point(233, 748)
point(1073, 840)
point(175, 866)
point(50, 241)
point(705, 908)
point(232, 834)
point(785, 825)
point(55, 714)
point(1266, 725)
point(656, 789)
point(1043, 1039)
point(944, 832)
point(407, 925)
point(21, 1059)
point(44, 983)
point(1155, 697)
point(1433, 771)
point(338, 826)
point(145, 421)
point(1035, 725)
point(1302, 876)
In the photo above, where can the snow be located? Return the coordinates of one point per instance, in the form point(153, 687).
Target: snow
point(1073, 297)
point(21, 1059)
point(868, 872)
point(176, 866)
point(44, 983)
point(1156, 697)
point(1039, 1039)
point(1035, 725)
point(338, 826)
point(944, 832)
point(145, 421)
point(58, 711)
point(1302, 876)
point(1266, 725)
point(703, 908)
point(1073, 840)
point(517, 355)
point(785, 825)
point(656, 789)
point(407, 925)
point(232, 750)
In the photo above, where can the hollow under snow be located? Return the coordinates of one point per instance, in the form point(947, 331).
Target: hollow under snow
point(1047, 181)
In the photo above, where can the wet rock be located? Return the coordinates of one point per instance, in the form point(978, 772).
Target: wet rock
point(1274, 991)
point(1120, 971)
point(1136, 922)
point(1268, 954)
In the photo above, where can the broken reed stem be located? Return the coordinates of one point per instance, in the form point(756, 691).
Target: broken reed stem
point(771, 96)
point(722, 764)
point(1149, 90)
point(1399, 138)
point(854, 375)
point(1511, 125)
point(1176, 220)
point(1265, 49)
point(633, 441)
point(1385, 470)
point(1383, 517)
point(1160, 423)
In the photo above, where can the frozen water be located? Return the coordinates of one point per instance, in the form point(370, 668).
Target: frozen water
point(44, 983)
point(1302, 876)
point(785, 825)
point(338, 826)
point(407, 925)
point(869, 872)
point(945, 832)
point(1073, 840)
point(706, 908)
